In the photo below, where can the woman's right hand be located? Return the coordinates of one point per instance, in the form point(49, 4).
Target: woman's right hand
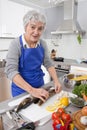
point(40, 93)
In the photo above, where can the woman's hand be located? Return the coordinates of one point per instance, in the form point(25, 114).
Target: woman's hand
point(40, 93)
point(58, 87)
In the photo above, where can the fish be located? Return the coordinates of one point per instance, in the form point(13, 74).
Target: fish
point(26, 102)
point(51, 93)
point(29, 100)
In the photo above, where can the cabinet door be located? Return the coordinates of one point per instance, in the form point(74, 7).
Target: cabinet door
point(12, 18)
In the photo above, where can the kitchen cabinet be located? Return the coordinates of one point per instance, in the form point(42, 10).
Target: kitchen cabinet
point(5, 84)
point(11, 15)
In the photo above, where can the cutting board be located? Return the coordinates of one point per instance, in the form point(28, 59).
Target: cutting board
point(76, 120)
point(35, 112)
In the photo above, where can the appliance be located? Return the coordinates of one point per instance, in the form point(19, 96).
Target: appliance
point(61, 59)
point(70, 24)
point(62, 69)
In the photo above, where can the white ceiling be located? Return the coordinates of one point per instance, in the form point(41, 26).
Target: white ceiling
point(42, 3)
point(38, 3)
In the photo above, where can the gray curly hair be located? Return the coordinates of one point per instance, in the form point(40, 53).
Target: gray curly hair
point(33, 15)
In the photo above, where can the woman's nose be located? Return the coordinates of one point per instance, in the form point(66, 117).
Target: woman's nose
point(36, 31)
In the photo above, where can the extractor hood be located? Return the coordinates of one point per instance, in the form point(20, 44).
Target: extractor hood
point(70, 24)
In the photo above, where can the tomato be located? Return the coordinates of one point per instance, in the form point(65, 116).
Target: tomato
point(60, 110)
point(65, 117)
point(54, 116)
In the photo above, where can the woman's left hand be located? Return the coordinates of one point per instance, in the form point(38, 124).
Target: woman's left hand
point(58, 87)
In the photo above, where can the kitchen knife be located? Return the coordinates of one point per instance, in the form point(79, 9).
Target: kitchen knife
point(29, 126)
point(22, 123)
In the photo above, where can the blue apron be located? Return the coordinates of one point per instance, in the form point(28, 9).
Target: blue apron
point(30, 63)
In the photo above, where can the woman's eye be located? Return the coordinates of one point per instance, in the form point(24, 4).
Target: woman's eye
point(32, 27)
point(40, 29)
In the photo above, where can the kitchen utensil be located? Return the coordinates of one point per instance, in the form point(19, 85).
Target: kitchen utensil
point(67, 80)
point(21, 124)
point(8, 122)
point(29, 126)
point(78, 102)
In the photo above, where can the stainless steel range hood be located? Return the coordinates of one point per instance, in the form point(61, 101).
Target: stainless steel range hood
point(70, 24)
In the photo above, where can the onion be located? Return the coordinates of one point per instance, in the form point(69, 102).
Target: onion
point(84, 111)
point(83, 120)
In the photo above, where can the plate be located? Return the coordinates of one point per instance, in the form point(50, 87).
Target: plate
point(77, 101)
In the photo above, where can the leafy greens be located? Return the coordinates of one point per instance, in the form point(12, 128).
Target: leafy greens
point(80, 89)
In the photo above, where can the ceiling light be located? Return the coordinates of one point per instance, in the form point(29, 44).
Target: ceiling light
point(56, 1)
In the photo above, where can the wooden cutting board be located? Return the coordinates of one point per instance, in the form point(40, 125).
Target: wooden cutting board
point(76, 120)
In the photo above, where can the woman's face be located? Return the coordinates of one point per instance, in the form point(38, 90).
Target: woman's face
point(33, 31)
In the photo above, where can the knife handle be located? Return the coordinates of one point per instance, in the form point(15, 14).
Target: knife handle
point(26, 105)
point(29, 126)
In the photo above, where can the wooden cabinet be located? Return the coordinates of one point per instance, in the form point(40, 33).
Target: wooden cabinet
point(11, 15)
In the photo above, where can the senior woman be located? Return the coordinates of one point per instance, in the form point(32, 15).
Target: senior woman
point(25, 56)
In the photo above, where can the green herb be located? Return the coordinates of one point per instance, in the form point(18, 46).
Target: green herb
point(80, 89)
point(79, 39)
point(77, 101)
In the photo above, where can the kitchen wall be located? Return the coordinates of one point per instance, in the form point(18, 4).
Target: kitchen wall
point(4, 45)
point(66, 45)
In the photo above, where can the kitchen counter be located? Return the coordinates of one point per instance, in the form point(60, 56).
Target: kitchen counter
point(70, 62)
point(48, 126)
